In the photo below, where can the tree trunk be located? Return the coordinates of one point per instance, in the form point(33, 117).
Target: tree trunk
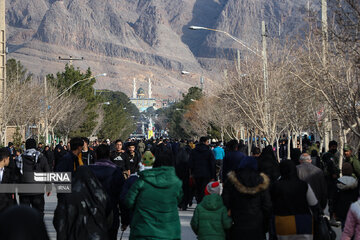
point(342, 143)
point(288, 144)
point(277, 149)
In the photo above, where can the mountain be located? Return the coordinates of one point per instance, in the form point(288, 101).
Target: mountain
point(142, 38)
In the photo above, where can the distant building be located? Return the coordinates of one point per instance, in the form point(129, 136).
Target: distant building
point(140, 100)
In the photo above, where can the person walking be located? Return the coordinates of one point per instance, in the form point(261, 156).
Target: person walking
point(210, 219)
point(112, 180)
point(352, 159)
point(183, 173)
point(87, 155)
point(28, 163)
point(292, 199)
point(153, 199)
point(268, 164)
point(133, 156)
point(246, 196)
point(120, 158)
point(352, 225)
point(86, 213)
point(219, 155)
point(313, 175)
point(202, 166)
point(346, 193)
point(72, 159)
point(6, 199)
point(232, 158)
point(332, 173)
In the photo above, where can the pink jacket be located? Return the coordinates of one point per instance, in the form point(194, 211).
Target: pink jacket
point(352, 225)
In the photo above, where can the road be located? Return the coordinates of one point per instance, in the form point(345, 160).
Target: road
point(50, 205)
point(185, 218)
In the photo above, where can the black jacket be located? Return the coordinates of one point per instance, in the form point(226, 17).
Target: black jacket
point(68, 163)
point(346, 193)
point(6, 198)
point(86, 212)
point(88, 157)
point(134, 161)
point(182, 163)
point(246, 194)
point(231, 162)
point(121, 160)
point(268, 164)
point(50, 158)
point(202, 162)
point(31, 161)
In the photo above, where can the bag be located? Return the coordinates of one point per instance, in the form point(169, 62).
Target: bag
point(323, 230)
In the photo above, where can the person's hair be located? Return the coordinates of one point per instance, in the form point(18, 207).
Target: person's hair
point(203, 139)
point(314, 153)
point(288, 169)
point(163, 159)
point(85, 139)
point(40, 143)
point(232, 145)
point(119, 140)
point(103, 151)
point(30, 143)
point(75, 143)
point(10, 144)
point(305, 157)
point(332, 143)
point(256, 150)
point(4, 153)
point(217, 144)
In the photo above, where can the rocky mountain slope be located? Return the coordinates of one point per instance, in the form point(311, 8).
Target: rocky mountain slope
point(141, 38)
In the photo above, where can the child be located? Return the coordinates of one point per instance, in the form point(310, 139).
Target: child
point(211, 216)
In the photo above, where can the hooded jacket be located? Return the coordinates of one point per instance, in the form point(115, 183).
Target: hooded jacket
point(211, 219)
point(154, 199)
point(202, 162)
point(246, 195)
point(346, 194)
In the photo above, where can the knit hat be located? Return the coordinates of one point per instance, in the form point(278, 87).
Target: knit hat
point(213, 188)
point(347, 169)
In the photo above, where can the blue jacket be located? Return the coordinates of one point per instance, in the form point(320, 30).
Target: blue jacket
point(219, 153)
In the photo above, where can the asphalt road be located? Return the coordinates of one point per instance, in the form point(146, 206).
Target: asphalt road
point(185, 218)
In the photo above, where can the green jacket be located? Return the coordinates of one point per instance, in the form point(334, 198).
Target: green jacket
point(354, 161)
point(211, 219)
point(154, 198)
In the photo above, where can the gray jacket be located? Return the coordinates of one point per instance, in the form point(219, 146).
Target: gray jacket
point(314, 176)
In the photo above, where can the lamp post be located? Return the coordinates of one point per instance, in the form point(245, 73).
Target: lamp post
point(49, 104)
point(263, 56)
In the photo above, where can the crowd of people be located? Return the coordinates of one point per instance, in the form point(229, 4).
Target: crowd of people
point(142, 185)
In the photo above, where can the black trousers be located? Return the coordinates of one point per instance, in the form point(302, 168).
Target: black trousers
point(35, 201)
point(200, 185)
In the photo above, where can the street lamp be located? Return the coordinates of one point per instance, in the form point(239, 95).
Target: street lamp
point(263, 56)
point(83, 80)
point(229, 35)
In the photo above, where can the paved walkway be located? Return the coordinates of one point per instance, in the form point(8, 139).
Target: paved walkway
point(50, 205)
point(185, 218)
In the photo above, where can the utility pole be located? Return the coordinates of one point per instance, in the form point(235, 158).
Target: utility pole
point(71, 59)
point(46, 112)
point(266, 80)
point(324, 27)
